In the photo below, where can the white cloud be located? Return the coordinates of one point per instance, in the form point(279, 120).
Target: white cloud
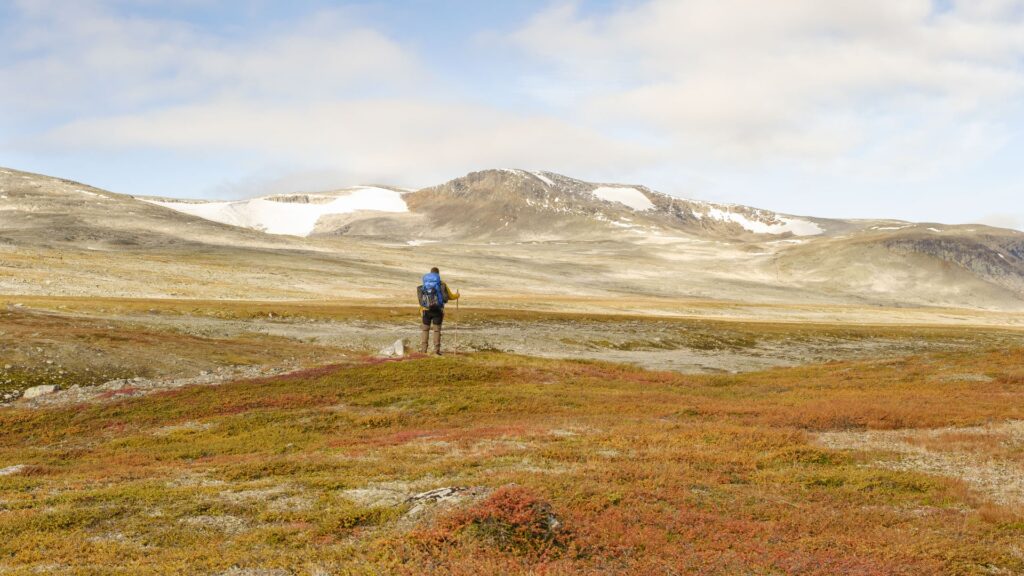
point(791, 79)
point(323, 95)
point(80, 58)
point(393, 140)
point(1005, 220)
point(688, 92)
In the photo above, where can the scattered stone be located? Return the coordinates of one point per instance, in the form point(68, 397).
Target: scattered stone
point(137, 386)
point(37, 391)
point(11, 470)
point(113, 385)
point(396, 350)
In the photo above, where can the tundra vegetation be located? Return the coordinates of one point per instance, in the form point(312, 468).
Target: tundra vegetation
point(495, 463)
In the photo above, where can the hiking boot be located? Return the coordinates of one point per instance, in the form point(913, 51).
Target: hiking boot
point(437, 339)
point(424, 338)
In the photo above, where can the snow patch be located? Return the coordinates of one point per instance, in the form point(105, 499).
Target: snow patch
point(543, 178)
point(796, 226)
point(290, 218)
point(631, 197)
point(421, 242)
point(934, 230)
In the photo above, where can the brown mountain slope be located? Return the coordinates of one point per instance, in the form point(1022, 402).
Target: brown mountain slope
point(537, 232)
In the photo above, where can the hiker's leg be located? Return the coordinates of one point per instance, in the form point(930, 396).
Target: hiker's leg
point(425, 333)
point(437, 330)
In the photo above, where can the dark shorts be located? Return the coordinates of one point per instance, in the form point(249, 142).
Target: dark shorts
point(433, 317)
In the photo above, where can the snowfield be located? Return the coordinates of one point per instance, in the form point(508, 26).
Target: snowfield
point(290, 218)
point(795, 226)
point(631, 197)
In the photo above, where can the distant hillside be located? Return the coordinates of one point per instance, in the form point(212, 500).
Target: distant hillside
point(539, 231)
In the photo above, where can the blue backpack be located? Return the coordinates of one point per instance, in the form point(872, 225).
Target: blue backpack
point(431, 292)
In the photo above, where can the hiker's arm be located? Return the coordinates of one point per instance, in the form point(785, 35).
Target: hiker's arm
point(448, 294)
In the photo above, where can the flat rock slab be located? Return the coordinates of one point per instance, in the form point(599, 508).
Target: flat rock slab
point(37, 391)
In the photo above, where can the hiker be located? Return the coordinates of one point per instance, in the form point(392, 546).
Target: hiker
point(433, 294)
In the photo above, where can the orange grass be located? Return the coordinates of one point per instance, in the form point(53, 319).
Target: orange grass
point(578, 467)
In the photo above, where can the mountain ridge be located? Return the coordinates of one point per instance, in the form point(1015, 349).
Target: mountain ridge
point(624, 239)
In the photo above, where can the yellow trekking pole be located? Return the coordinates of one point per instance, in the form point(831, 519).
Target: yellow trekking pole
point(456, 347)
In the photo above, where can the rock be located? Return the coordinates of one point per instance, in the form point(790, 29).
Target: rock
point(37, 391)
point(395, 350)
point(113, 385)
point(437, 495)
point(12, 469)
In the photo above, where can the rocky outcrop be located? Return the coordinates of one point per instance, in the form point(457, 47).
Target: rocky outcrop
point(37, 391)
point(998, 260)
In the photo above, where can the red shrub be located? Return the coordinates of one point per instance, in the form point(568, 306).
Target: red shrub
point(514, 520)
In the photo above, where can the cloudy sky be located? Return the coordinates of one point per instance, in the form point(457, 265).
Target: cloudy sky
point(853, 108)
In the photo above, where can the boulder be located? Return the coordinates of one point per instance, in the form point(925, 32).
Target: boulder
point(37, 391)
point(395, 350)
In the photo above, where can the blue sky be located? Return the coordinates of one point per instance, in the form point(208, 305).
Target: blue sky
point(908, 109)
